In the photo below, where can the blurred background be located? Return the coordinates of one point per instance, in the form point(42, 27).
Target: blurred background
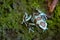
point(11, 13)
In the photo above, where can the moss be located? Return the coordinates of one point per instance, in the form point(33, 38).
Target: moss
point(11, 13)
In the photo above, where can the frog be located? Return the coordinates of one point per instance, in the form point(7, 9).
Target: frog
point(37, 18)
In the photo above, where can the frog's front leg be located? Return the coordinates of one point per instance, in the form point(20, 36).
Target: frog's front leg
point(32, 24)
point(30, 27)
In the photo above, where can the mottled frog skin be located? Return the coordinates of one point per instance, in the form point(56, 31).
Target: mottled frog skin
point(39, 19)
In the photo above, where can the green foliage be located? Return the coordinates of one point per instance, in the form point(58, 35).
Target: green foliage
point(11, 13)
point(34, 4)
